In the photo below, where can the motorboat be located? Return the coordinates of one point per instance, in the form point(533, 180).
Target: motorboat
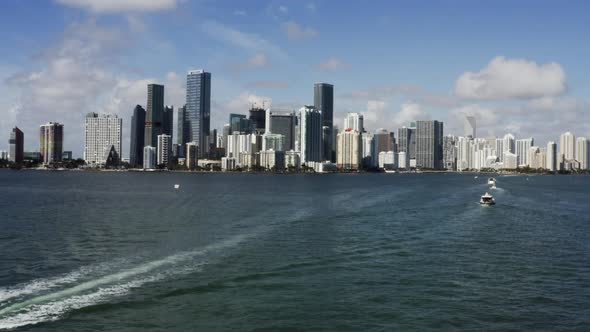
point(492, 182)
point(176, 186)
point(487, 199)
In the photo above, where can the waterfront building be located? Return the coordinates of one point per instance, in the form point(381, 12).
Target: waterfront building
point(228, 164)
point(258, 120)
point(407, 141)
point(272, 160)
point(17, 145)
point(499, 150)
point(154, 114)
point(273, 141)
point(103, 132)
point(567, 146)
point(137, 138)
point(191, 155)
point(149, 157)
point(224, 135)
point(51, 137)
point(198, 108)
point(450, 152)
point(429, 152)
point(292, 159)
point(283, 123)
point(469, 125)
point(4, 155)
point(354, 121)
point(348, 150)
point(164, 150)
point(508, 144)
point(309, 134)
point(66, 155)
point(384, 141)
point(523, 147)
point(388, 160)
point(168, 120)
point(368, 156)
point(551, 157)
point(323, 98)
point(34, 157)
point(403, 160)
point(182, 130)
point(582, 152)
point(510, 160)
point(239, 124)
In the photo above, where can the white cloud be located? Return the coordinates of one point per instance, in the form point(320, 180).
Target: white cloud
point(246, 41)
point(117, 6)
point(332, 64)
point(512, 78)
point(239, 104)
point(409, 112)
point(294, 31)
point(375, 114)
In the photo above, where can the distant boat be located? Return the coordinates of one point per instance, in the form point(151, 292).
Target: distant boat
point(176, 186)
point(492, 182)
point(487, 199)
point(475, 177)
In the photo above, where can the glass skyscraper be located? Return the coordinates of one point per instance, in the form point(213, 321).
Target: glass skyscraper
point(198, 108)
point(137, 138)
point(155, 114)
point(323, 101)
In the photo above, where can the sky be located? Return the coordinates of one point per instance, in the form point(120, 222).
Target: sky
point(517, 66)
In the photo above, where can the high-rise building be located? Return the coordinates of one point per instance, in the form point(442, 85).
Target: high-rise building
point(51, 137)
point(470, 126)
point(567, 146)
point(3, 155)
point(149, 157)
point(354, 121)
point(369, 156)
point(551, 156)
point(16, 143)
point(238, 123)
point(102, 133)
point(323, 101)
point(198, 108)
point(154, 115)
point(348, 150)
point(384, 141)
point(164, 152)
point(273, 142)
point(66, 155)
point(168, 120)
point(582, 152)
point(309, 134)
point(429, 144)
point(137, 139)
point(191, 155)
point(283, 123)
point(407, 141)
point(499, 149)
point(508, 144)
point(450, 152)
point(182, 130)
point(523, 147)
point(258, 120)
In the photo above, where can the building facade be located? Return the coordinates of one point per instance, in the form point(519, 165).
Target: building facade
point(137, 138)
point(149, 157)
point(323, 101)
point(429, 145)
point(198, 108)
point(17, 148)
point(154, 114)
point(102, 133)
point(51, 137)
point(164, 151)
point(348, 151)
point(309, 134)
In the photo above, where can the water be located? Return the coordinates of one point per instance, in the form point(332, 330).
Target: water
point(84, 251)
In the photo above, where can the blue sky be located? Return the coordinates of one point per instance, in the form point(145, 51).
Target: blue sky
point(518, 66)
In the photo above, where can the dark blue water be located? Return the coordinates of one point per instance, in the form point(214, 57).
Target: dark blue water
point(82, 251)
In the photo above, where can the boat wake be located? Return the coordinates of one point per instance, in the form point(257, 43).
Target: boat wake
point(50, 299)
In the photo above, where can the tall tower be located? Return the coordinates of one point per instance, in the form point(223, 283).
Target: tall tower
point(309, 134)
point(567, 146)
point(155, 114)
point(16, 142)
point(137, 138)
point(51, 136)
point(198, 108)
point(429, 147)
point(470, 126)
point(103, 133)
point(323, 101)
point(551, 156)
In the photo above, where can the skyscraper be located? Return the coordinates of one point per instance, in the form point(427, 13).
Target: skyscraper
point(258, 119)
point(407, 141)
point(16, 143)
point(523, 147)
point(354, 121)
point(384, 141)
point(168, 120)
point(469, 126)
point(137, 138)
point(450, 152)
point(349, 149)
point(283, 123)
point(239, 123)
point(567, 146)
point(323, 101)
point(154, 115)
point(164, 151)
point(582, 152)
point(182, 130)
point(309, 134)
point(198, 108)
point(102, 133)
point(429, 150)
point(508, 144)
point(149, 157)
point(551, 156)
point(51, 137)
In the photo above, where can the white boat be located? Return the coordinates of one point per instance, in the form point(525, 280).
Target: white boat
point(487, 199)
point(176, 186)
point(492, 182)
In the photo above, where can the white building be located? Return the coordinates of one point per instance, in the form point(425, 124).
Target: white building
point(567, 146)
point(273, 141)
point(523, 147)
point(354, 121)
point(149, 157)
point(3, 155)
point(403, 160)
point(292, 159)
point(164, 149)
point(102, 132)
point(510, 160)
point(551, 157)
point(368, 155)
point(348, 150)
point(309, 134)
point(388, 160)
point(582, 152)
point(228, 164)
point(272, 160)
point(508, 144)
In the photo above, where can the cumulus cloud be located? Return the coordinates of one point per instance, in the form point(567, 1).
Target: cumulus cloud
point(409, 112)
point(375, 114)
point(506, 78)
point(294, 31)
point(118, 6)
point(332, 64)
point(407, 91)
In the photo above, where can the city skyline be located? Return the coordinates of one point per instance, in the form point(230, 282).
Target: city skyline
point(92, 61)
